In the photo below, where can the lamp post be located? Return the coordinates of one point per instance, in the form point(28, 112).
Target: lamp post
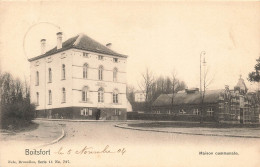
point(203, 53)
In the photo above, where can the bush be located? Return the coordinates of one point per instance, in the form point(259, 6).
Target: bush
point(16, 109)
point(17, 115)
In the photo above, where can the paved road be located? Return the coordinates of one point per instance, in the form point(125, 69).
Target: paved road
point(159, 149)
point(141, 148)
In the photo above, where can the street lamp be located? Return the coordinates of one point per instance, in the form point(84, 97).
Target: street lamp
point(203, 53)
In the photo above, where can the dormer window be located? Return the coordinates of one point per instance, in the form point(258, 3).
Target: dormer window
point(85, 55)
point(115, 60)
point(100, 57)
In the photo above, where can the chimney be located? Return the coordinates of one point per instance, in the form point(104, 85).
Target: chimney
point(43, 46)
point(59, 40)
point(109, 45)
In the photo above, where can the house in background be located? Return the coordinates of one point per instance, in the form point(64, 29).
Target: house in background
point(139, 96)
point(79, 79)
point(225, 105)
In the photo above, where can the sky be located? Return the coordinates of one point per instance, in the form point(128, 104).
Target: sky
point(161, 36)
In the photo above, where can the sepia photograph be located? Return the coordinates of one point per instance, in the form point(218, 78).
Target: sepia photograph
point(129, 83)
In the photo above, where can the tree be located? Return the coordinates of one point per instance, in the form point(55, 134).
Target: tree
point(254, 76)
point(130, 93)
point(147, 84)
point(174, 85)
point(206, 82)
point(16, 109)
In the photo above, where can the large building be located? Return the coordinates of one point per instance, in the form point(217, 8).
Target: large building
point(79, 79)
point(224, 105)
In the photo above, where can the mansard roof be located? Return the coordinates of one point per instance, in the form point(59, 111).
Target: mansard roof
point(183, 98)
point(82, 42)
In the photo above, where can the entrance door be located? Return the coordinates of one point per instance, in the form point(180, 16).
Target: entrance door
point(98, 114)
point(241, 116)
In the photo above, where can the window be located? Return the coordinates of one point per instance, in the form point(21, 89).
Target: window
point(37, 98)
point(210, 112)
point(50, 75)
point(85, 55)
point(157, 112)
point(100, 95)
point(63, 95)
point(85, 70)
point(196, 112)
point(117, 112)
point(85, 94)
point(169, 112)
point(115, 60)
point(63, 71)
point(100, 73)
point(115, 96)
point(115, 74)
point(37, 78)
point(86, 112)
point(100, 57)
point(50, 97)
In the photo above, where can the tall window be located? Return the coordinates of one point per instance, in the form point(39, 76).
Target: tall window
point(37, 98)
point(37, 78)
point(100, 73)
point(85, 94)
point(63, 71)
point(117, 112)
point(50, 97)
point(50, 75)
point(85, 70)
point(115, 74)
point(100, 95)
point(63, 95)
point(115, 96)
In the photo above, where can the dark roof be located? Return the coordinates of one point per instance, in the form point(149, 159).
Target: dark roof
point(82, 42)
point(211, 96)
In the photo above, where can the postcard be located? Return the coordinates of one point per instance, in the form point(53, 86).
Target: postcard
point(129, 83)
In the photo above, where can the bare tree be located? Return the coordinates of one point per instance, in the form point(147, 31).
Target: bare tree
point(174, 84)
point(206, 82)
point(146, 85)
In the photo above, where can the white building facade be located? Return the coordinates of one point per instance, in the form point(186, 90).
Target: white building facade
point(140, 96)
point(79, 79)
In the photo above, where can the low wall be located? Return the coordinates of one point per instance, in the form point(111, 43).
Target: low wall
point(167, 117)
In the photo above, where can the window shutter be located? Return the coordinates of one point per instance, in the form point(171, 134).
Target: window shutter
point(90, 112)
point(119, 113)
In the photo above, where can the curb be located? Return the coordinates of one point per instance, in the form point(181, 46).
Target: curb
point(80, 120)
point(183, 133)
point(56, 140)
